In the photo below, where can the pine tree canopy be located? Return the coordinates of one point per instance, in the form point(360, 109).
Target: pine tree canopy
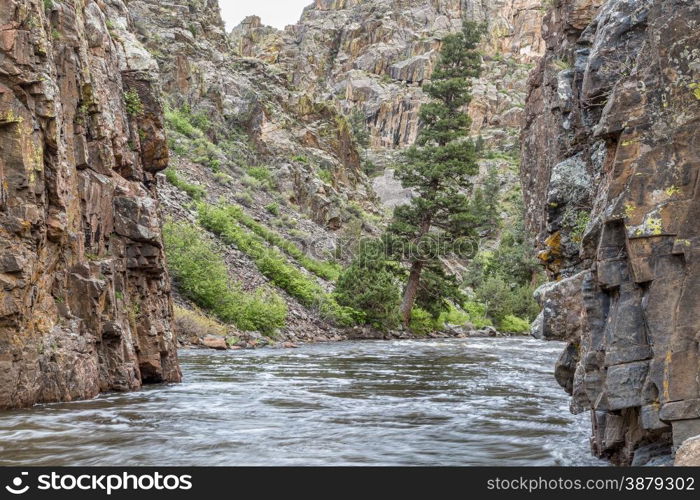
point(439, 169)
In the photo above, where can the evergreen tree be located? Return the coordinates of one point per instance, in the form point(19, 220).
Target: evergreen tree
point(438, 169)
point(370, 285)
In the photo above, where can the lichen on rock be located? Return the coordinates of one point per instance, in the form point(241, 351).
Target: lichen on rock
point(84, 304)
point(624, 117)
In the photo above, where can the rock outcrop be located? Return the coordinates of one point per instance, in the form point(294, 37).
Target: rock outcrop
point(252, 106)
point(84, 295)
point(688, 455)
point(373, 55)
point(610, 176)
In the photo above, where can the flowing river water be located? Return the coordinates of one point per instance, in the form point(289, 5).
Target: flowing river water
point(438, 402)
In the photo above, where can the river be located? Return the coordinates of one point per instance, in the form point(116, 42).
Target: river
point(437, 402)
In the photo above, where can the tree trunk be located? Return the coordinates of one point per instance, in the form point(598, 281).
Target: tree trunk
point(409, 297)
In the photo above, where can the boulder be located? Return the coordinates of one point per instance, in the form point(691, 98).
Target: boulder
point(213, 342)
point(688, 455)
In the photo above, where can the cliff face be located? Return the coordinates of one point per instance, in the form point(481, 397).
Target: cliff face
point(84, 296)
point(610, 175)
point(372, 56)
point(247, 100)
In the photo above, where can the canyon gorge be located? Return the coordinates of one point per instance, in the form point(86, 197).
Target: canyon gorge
point(135, 131)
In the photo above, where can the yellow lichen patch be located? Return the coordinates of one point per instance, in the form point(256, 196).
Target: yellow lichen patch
point(629, 210)
point(695, 89)
point(672, 190)
point(667, 375)
point(10, 117)
point(550, 255)
point(554, 243)
point(655, 226)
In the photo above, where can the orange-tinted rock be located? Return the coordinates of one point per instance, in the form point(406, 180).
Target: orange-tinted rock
point(84, 297)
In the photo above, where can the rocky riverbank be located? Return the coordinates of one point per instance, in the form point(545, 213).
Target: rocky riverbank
point(255, 340)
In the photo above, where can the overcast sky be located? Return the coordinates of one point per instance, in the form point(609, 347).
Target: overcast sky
point(277, 13)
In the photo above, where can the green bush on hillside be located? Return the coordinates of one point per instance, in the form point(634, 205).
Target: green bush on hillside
point(221, 220)
point(513, 324)
point(423, 322)
point(202, 276)
point(193, 191)
point(323, 269)
point(369, 285)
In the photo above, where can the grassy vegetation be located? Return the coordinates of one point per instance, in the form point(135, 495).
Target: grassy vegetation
point(196, 324)
point(193, 191)
point(133, 103)
point(186, 123)
point(423, 323)
point(224, 221)
point(202, 276)
point(262, 175)
point(273, 208)
point(513, 324)
point(189, 137)
point(326, 176)
point(326, 270)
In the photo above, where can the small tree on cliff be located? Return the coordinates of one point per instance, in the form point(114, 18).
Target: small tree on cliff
point(438, 169)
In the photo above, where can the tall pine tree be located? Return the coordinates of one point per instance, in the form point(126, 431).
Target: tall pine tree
point(438, 168)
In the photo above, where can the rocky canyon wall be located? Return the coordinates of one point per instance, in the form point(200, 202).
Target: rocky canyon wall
point(84, 296)
point(611, 157)
point(373, 55)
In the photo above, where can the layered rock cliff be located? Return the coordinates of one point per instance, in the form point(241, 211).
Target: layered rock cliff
point(84, 295)
point(372, 56)
point(610, 175)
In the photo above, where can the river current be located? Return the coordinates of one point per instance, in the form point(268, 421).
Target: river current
point(437, 402)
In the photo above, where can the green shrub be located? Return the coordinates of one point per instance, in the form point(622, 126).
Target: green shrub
point(222, 220)
point(251, 182)
point(326, 270)
point(369, 285)
point(513, 324)
point(502, 299)
point(133, 103)
point(202, 276)
point(476, 313)
point(342, 315)
point(182, 121)
point(273, 208)
point(326, 176)
point(262, 174)
point(422, 322)
point(454, 317)
point(244, 198)
point(223, 179)
point(193, 191)
point(300, 159)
